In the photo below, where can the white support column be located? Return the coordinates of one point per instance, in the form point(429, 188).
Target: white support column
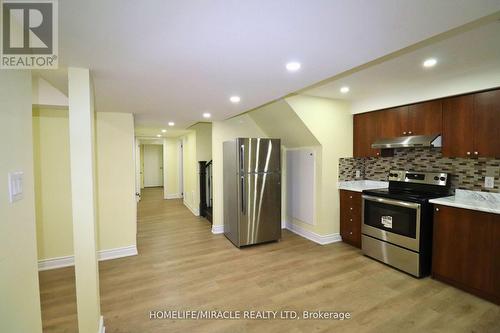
point(82, 155)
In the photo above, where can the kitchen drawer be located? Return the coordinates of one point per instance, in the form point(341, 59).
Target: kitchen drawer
point(350, 217)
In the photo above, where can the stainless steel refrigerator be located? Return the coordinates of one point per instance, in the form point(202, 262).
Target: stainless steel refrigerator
point(252, 190)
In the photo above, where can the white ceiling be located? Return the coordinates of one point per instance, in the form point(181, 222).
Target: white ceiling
point(173, 60)
point(467, 62)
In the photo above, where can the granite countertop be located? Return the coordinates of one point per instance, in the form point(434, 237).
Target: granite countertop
point(481, 201)
point(361, 185)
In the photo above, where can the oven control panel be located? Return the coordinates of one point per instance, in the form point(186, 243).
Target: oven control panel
point(431, 178)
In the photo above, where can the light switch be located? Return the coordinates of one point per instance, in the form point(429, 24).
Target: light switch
point(15, 186)
point(489, 182)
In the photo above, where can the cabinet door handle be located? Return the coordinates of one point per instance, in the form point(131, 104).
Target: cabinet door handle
point(350, 232)
point(409, 132)
point(468, 153)
point(378, 154)
point(350, 208)
point(476, 153)
point(350, 220)
point(350, 197)
point(437, 209)
point(404, 133)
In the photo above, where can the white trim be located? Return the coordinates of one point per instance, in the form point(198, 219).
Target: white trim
point(195, 211)
point(53, 263)
point(118, 252)
point(312, 236)
point(102, 329)
point(173, 196)
point(67, 261)
point(180, 165)
point(217, 229)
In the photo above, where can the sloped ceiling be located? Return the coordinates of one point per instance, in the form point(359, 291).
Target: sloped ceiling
point(278, 120)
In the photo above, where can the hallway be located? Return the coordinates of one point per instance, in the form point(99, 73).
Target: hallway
point(182, 266)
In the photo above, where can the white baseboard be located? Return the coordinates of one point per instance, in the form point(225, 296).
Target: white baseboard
point(102, 329)
point(195, 211)
point(118, 252)
point(217, 229)
point(173, 196)
point(312, 236)
point(67, 261)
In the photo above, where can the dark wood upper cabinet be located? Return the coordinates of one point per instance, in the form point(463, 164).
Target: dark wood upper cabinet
point(487, 124)
point(469, 125)
point(458, 128)
point(425, 118)
point(393, 122)
point(366, 131)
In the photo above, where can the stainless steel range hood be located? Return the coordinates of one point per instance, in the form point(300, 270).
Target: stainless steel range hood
point(409, 142)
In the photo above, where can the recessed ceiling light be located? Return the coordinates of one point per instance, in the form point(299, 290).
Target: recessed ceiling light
point(431, 62)
point(235, 99)
point(293, 66)
point(206, 115)
point(344, 90)
point(158, 135)
point(171, 123)
point(164, 131)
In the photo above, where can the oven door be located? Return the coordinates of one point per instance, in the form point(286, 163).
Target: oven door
point(394, 221)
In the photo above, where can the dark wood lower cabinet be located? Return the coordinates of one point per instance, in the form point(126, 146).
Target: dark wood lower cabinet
point(350, 217)
point(466, 250)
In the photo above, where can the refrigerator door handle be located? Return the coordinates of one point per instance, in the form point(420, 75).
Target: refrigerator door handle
point(242, 157)
point(242, 189)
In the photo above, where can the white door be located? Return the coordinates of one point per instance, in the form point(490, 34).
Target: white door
point(153, 165)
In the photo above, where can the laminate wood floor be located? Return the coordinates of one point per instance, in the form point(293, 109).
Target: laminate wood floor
point(182, 266)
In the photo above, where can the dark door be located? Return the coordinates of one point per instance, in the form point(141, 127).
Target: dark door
point(465, 250)
point(366, 131)
point(487, 124)
point(458, 129)
point(394, 122)
point(425, 118)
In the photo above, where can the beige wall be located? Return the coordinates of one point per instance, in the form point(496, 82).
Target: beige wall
point(83, 197)
point(19, 292)
point(203, 141)
point(115, 182)
point(189, 173)
point(171, 167)
point(197, 147)
point(279, 120)
point(330, 121)
point(241, 126)
point(52, 183)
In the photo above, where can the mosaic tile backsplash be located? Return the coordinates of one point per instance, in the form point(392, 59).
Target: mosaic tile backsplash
point(466, 173)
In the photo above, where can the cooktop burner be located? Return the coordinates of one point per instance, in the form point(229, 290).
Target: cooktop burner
point(414, 186)
point(403, 195)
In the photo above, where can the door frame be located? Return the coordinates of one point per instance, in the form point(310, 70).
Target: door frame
point(181, 167)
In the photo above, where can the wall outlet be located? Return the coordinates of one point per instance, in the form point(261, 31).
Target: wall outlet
point(489, 182)
point(358, 174)
point(15, 186)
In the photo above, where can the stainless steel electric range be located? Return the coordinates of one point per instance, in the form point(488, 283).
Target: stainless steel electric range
point(397, 221)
